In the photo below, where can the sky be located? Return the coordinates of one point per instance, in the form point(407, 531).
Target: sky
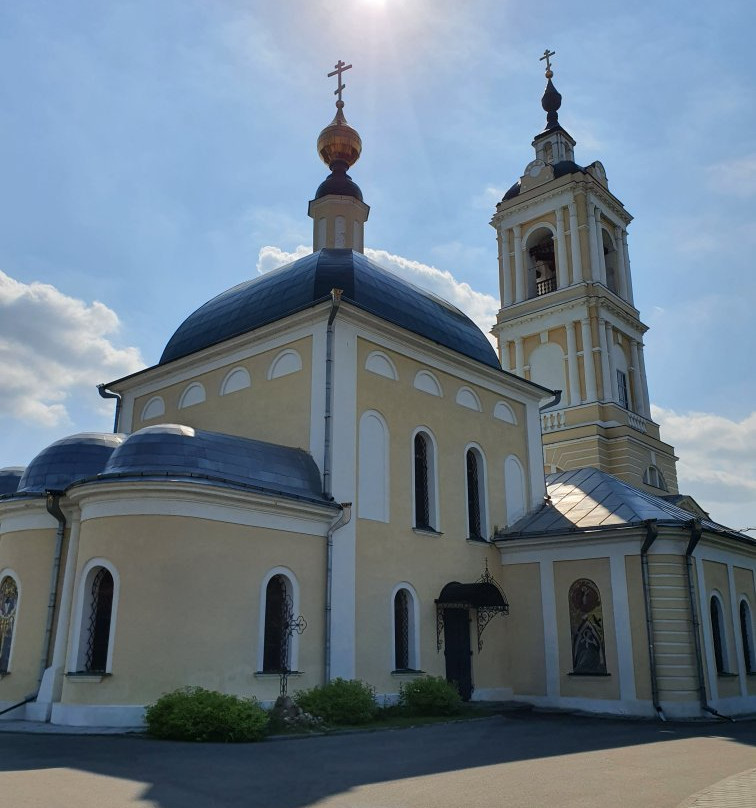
point(154, 154)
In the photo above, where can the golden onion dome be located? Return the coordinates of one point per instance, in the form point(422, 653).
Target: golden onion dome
point(338, 142)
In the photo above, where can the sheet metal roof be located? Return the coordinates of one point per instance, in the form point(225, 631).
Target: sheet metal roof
point(588, 498)
point(308, 281)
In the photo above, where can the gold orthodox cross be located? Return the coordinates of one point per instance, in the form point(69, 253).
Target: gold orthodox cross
point(547, 54)
point(340, 68)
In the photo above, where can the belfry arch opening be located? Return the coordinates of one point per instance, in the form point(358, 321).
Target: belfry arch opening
point(610, 262)
point(542, 277)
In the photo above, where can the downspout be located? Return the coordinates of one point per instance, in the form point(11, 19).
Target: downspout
point(554, 401)
point(53, 508)
point(327, 448)
point(652, 531)
point(695, 537)
point(342, 519)
point(105, 393)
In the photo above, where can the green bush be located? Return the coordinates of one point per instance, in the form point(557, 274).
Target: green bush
point(430, 695)
point(196, 714)
point(341, 701)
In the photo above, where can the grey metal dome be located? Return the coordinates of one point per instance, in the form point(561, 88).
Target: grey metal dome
point(9, 478)
point(309, 281)
point(67, 461)
point(182, 452)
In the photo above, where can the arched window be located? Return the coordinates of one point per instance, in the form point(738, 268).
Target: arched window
point(8, 609)
point(237, 379)
point(587, 628)
point(542, 277)
point(652, 476)
point(192, 395)
point(154, 408)
point(610, 262)
point(424, 481)
point(746, 635)
point(286, 362)
point(405, 637)
point(514, 489)
point(373, 490)
point(97, 616)
point(277, 636)
point(476, 494)
point(718, 635)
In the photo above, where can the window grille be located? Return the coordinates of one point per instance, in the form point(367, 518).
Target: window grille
point(8, 604)
point(422, 481)
point(473, 496)
point(401, 630)
point(717, 627)
point(100, 613)
point(276, 650)
point(745, 633)
point(624, 399)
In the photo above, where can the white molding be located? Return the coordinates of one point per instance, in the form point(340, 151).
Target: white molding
point(242, 373)
point(506, 415)
point(31, 520)
point(291, 578)
point(285, 363)
point(381, 364)
point(367, 475)
point(154, 408)
point(426, 382)
point(76, 638)
point(466, 397)
point(193, 394)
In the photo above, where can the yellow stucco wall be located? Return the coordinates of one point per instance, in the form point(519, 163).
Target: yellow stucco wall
point(638, 629)
point(594, 687)
point(715, 577)
point(253, 412)
point(29, 554)
point(190, 592)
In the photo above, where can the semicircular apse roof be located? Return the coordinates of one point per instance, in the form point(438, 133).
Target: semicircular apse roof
point(181, 452)
point(309, 281)
point(68, 460)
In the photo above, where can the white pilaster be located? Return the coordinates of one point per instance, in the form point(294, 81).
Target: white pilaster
point(572, 365)
point(644, 383)
point(519, 357)
point(590, 368)
point(621, 267)
point(595, 266)
point(637, 401)
point(577, 263)
point(610, 356)
point(606, 381)
point(628, 273)
point(620, 606)
point(519, 269)
point(562, 275)
point(600, 246)
point(504, 353)
point(550, 633)
point(505, 275)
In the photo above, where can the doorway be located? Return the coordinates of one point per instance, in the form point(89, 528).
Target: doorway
point(457, 650)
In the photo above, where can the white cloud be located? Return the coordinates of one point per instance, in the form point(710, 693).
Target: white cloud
point(717, 461)
point(479, 307)
point(736, 177)
point(53, 347)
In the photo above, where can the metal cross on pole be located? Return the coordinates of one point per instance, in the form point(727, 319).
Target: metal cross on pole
point(547, 54)
point(341, 67)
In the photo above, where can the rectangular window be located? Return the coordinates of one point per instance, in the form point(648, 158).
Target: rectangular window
point(624, 399)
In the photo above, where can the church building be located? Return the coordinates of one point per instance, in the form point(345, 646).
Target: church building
point(332, 473)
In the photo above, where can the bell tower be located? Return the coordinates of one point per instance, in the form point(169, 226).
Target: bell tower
point(567, 317)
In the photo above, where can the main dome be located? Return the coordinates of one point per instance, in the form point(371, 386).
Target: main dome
point(308, 281)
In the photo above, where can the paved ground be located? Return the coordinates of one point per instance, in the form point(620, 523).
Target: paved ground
point(522, 761)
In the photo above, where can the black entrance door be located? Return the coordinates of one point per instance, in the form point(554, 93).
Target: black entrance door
point(457, 650)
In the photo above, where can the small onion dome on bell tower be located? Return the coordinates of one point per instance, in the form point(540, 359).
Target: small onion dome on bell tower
point(554, 144)
point(338, 211)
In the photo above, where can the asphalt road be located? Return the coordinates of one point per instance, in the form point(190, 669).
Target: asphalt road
point(514, 762)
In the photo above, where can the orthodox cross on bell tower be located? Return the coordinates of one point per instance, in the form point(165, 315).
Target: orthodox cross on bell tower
point(547, 54)
point(341, 67)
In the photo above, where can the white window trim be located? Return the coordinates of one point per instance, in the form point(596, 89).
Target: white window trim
point(715, 594)
point(273, 369)
point(413, 628)
point(154, 400)
point(433, 508)
point(387, 359)
point(222, 390)
point(294, 647)
point(509, 413)
point(10, 573)
point(75, 651)
point(426, 374)
point(482, 489)
point(476, 399)
point(189, 390)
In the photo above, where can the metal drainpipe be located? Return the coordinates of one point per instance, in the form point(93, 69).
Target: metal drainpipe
point(105, 393)
point(53, 508)
point(652, 531)
point(695, 537)
point(553, 403)
point(343, 519)
point(335, 301)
